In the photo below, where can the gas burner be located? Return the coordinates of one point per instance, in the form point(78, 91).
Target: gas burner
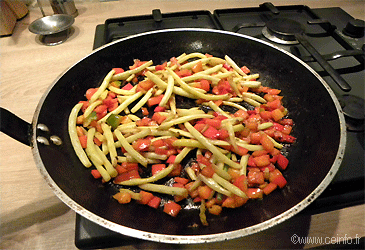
point(282, 30)
point(353, 109)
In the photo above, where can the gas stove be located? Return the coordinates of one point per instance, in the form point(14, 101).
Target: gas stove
point(328, 39)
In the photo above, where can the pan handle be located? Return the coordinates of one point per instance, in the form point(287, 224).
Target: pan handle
point(15, 127)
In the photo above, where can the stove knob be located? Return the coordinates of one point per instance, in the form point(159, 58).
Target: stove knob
point(355, 28)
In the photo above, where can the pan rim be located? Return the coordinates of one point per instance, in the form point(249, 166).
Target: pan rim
point(193, 239)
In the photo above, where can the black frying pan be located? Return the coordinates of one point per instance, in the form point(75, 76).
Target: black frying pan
point(314, 158)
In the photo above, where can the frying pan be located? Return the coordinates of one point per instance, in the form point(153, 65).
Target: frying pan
point(314, 158)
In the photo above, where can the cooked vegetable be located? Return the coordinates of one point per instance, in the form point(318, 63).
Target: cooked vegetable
point(221, 151)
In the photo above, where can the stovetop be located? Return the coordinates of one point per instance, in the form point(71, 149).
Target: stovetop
point(335, 35)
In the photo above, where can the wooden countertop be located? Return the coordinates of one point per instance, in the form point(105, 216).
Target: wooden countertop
point(32, 217)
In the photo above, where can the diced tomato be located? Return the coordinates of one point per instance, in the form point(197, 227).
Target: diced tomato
point(262, 160)
point(241, 182)
point(254, 177)
point(259, 153)
point(269, 167)
point(142, 144)
point(157, 117)
point(266, 115)
point(83, 141)
point(120, 169)
point(205, 192)
point(205, 85)
point(245, 70)
point(287, 129)
point(275, 104)
point(274, 174)
point(227, 66)
point(266, 143)
point(282, 162)
point(133, 174)
point(90, 92)
point(100, 109)
point(216, 123)
point(255, 138)
point(123, 197)
point(208, 171)
point(203, 160)
point(251, 125)
point(201, 127)
point(172, 208)
point(274, 159)
point(240, 150)
point(289, 139)
point(171, 159)
point(137, 63)
point(130, 166)
point(184, 72)
point(280, 181)
point(239, 201)
point(197, 67)
point(97, 141)
point(274, 91)
point(224, 87)
point(143, 122)
point(286, 121)
point(111, 103)
point(234, 173)
point(181, 180)
point(223, 134)
point(277, 114)
point(128, 86)
point(145, 85)
point(159, 109)
point(95, 173)
point(281, 137)
point(278, 127)
point(118, 70)
point(85, 104)
point(161, 66)
point(251, 162)
point(211, 133)
point(254, 193)
point(157, 168)
point(145, 197)
point(269, 188)
point(154, 202)
point(176, 171)
point(145, 111)
point(229, 202)
point(155, 100)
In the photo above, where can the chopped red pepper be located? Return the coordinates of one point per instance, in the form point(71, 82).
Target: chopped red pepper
point(154, 202)
point(155, 100)
point(157, 168)
point(269, 188)
point(96, 174)
point(172, 208)
point(145, 197)
point(211, 133)
point(133, 174)
point(83, 141)
point(118, 70)
point(282, 162)
point(128, 86)
point(280, 181)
